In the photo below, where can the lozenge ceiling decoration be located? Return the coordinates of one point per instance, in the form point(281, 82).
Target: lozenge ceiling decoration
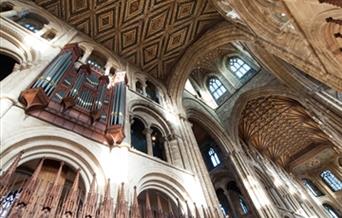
point(152, 34)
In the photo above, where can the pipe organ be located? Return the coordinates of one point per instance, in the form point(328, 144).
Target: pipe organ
point(79, 98)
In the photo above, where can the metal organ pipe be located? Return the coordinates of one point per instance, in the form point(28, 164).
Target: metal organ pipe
point(119, 94)
point(122, 102)
point(101, 92)
point(54, 73)
point(77, 86)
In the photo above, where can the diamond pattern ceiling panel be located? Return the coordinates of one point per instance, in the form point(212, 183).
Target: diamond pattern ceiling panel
point(152, 34)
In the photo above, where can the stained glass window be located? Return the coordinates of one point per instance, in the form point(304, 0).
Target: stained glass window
point(331, 180)
point(312, 187)
point(238, 67)
point(243, 205)
point(214, 157)
point(331, 211)
point(216, 88)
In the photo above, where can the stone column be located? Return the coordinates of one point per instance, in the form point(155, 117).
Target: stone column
point(143, 84)
point(260, 200)
point(86, 55)
point(107, 67)
point(175, 152)
point(42, 31)
point(198, 164)
point(167, 150)
point(8, 14)
point(148, 133)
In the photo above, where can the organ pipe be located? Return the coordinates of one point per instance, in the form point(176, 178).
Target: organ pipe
point(54, 73)
point(115, 131)
point(98, 103)
point(118, 102)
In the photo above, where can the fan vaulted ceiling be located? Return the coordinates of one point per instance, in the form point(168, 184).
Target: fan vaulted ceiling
point(152, 34)
point(280, 128)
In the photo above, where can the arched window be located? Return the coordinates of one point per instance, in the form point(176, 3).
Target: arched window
point(138, 87)
point(243, 205)
point(138, 138)
point(331, 180)
point(6, 65)
point(312, 187)
point(5, 6)
point(157, 144)
point(49, 35)
point(216, 88)
point(31, 21)
point(151, 91)
point(224, 205)
point(238, 67)
point(97, 61)
point(237, 197)
point(213, 157)
point(331, 211)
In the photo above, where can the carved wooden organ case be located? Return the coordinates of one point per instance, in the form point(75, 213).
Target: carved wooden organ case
point(79, 98)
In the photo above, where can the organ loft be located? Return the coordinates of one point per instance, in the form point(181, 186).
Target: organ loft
point(171, 109)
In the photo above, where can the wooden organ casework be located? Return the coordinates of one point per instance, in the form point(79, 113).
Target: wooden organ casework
point(79, 97)
point(47, 188)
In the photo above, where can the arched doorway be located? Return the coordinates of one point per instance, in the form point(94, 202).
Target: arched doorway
point(156, 203)
point(43, 184)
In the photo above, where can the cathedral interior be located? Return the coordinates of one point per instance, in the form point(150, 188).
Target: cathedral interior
point(171, 108)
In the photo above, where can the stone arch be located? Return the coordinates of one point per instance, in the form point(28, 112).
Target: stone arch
point(38, 143)
point(323, 33)
point(13, 44)
point(219, 36)
point(166, 184)
point(89, 46)
point(145, 107)
point(213, 127)
point(54, 24)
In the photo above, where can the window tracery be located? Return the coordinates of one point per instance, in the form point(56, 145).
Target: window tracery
point(214, 157)
point(331, 180)
point(216, 88)
point(238, 67)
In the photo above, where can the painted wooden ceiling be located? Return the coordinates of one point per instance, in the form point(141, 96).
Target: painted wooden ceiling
point(152, 34)
point(280, 128)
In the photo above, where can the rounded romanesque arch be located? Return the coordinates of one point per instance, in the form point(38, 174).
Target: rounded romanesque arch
point(217, 37)
point(140, 107)
point(39, 143)
point(166, 184)
point(195, 112)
